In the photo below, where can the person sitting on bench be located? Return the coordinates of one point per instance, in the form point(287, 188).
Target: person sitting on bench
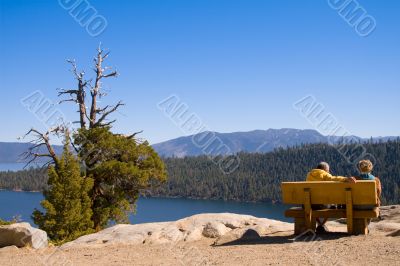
point(322, 173)
point(365, 167)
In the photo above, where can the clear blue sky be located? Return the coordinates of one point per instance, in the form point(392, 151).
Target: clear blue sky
point(238, 64)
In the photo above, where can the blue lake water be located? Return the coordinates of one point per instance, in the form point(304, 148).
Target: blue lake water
point(148, 209)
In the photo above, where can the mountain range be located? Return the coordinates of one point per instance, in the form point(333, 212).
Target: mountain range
point(213, 143)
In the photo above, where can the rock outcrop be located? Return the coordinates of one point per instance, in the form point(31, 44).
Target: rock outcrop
point(390, 213)
point(218, 226)
point(388, 220)
point(22, 235)
point(215, 229)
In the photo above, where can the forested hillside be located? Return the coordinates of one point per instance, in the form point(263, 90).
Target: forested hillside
point(33, 179)
point(258, 176)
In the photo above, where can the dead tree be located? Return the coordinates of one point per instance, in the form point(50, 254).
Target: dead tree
point(79, 95)
point(97, 116)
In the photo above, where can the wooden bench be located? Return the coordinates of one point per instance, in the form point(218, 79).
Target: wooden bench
point(324, 193)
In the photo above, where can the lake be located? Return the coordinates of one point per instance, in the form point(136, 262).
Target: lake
point(148, 209)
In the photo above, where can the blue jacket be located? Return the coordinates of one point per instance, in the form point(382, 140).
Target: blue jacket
point(366, 177)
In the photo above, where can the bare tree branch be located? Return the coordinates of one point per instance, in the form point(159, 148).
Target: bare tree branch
point(102, 110)
point(112, 74)
point(77, 95)
point(33, 159)
point(73, 144)
point(96, 88)
point(131, 136)
point(107, 124)
point(134, 134)
point(95, 116)
point(70, 92)
point(42, 139)
point(68, 100)
point(105, 112)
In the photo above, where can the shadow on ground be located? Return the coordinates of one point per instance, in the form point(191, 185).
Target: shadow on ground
point(251, 237)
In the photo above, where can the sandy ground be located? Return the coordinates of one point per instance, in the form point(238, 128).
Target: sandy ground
point(334, 248)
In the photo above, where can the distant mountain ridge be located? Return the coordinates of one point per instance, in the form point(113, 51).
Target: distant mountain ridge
point(10, 152)
point(251, 141)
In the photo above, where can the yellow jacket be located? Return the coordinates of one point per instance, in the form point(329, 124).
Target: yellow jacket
point(321, 175)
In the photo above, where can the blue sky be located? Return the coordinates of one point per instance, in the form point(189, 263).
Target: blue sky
point(239, 65)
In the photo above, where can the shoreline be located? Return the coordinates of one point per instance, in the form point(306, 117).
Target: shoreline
point(20, 190)
point(272, 202)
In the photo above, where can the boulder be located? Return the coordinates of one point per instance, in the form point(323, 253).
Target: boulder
point(193, 228)
point(194, 235)
point(22, 235)
point(120, 233)
point(168, 234)
point(215, 229)
point(390, 213)
point(388, 220)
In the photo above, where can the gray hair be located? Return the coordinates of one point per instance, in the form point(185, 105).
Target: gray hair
point(323, 166)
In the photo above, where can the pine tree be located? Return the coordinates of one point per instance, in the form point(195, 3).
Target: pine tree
point(67, 203)
point(121, 168)
point(119, 165)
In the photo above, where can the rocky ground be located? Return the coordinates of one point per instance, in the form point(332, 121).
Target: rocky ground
point(221, 239)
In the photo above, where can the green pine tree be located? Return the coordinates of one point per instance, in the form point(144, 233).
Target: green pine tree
point(67, 203)
point(121, 168)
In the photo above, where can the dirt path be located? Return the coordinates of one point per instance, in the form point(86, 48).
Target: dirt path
point(279, 248)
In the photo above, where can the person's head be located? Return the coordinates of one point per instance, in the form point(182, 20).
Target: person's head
point(323, 166)
point(365, 166)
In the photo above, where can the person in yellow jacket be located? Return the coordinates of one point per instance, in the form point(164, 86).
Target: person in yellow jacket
point(321, 173)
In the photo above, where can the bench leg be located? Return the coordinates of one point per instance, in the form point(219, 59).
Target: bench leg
point(300, 225)
point(360, 226)
point(313, 223)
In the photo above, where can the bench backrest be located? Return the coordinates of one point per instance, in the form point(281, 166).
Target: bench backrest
point(363, 192)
